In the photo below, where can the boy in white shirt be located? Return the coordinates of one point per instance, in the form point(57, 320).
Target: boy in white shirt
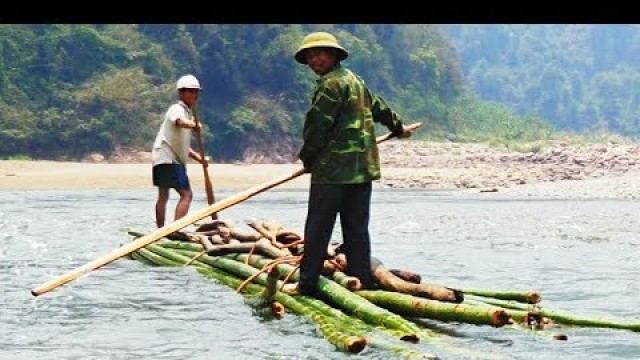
point(172, 150)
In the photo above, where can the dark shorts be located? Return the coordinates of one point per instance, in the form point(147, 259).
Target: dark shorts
point(170, 176)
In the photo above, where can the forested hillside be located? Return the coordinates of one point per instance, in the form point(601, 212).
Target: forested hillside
point(580, 77)
point(70, 90)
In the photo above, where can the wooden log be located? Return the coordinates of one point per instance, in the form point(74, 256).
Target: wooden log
point(388, 281)
point(262, 246)
point(211, 225)
point(407, 275)
point(206, 243)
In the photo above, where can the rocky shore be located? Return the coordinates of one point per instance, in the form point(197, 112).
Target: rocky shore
point(562, 169)
point(555, 170)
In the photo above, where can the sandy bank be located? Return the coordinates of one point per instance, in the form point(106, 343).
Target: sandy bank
point(556, 171)
point(68, 175)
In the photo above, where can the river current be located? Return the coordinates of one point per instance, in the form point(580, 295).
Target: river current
point(580, 255)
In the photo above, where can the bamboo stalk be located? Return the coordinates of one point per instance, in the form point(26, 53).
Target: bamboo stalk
point(523, 317)
point(348, 320)
point(181, 245)
point(357, 306)
point(520, 316)
point(136, 256)
point(330, 329)
point(348, 282)
point(566, 318)
point(157, 259)
point(527, 297)
point(408, 305)
point(353, 303)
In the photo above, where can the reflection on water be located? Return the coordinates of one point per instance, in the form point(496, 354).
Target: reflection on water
point(582, 256)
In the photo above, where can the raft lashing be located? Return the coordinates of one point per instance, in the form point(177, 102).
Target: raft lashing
point(259, 261)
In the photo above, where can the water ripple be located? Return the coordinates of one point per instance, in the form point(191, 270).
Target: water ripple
point(581, 256)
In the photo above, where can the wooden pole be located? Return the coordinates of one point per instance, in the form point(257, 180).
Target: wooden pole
point(207, 181)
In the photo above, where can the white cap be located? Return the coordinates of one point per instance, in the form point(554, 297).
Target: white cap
point(188, 82)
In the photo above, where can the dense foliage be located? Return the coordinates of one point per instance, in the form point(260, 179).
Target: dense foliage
point(579, 76)
point(68, 90)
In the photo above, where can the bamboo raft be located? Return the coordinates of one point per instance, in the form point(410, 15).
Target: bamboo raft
point(260, 260)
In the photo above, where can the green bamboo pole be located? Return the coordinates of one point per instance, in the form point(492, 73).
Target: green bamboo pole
point(347, 300)
point(565, 318)
point(183, 245)
point(192, 249)
point(136, 256)
point(335, 332)
point(517, 315)
point(354, 322)
point(258, 262)
point(377, 342)
point(303, 306)
point(324, 314)
point(527, 297)
point(157, 259)
point(330, 329)
point(350, 302)
point(346, 281)
point(409, 305)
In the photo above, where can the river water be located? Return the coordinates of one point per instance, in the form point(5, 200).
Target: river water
point(581, 255)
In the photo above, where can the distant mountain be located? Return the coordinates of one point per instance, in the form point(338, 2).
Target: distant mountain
point(581, 77)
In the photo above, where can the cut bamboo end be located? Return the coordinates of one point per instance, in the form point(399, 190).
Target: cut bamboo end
point(407, 275)
point(560, 337)
point(412, 338)
point(534, 297)
point(277, 309)
point(500, 318)
point(355, 344)
point(534, 320)
point(354, 284)
point(458, 295)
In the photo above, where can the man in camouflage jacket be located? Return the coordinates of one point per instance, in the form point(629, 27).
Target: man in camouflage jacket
point(340, 151)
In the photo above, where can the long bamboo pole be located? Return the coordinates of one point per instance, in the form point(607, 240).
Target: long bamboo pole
point(160, 233)
point(177, 225)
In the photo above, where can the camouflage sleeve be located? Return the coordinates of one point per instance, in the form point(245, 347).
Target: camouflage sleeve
point(383, 114)
point(319, 121)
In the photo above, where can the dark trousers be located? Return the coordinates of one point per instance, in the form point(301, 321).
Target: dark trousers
point(326, 201)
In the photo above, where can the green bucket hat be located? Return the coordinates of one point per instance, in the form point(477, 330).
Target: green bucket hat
point(319, 39)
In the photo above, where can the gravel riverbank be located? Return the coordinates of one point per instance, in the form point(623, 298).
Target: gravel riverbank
point(557, 170)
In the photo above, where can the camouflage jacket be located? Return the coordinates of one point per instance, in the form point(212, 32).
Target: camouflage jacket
point(339, 140)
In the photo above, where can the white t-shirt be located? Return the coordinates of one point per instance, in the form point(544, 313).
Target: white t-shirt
point(173, 142)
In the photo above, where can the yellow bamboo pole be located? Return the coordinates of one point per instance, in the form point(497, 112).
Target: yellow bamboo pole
point(143, 241)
